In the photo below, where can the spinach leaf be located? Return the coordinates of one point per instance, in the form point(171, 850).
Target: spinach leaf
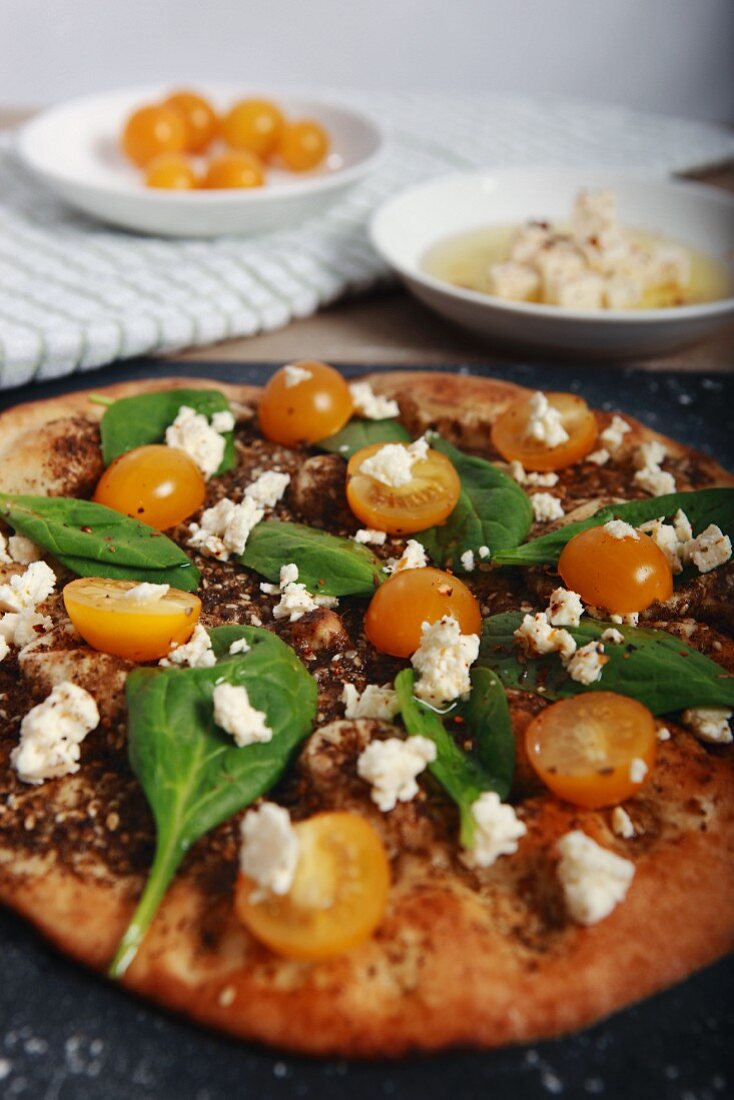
point(652, 666)
point(135, 421)
point(463, 776)
point(359, 433)
point(95, 541)
point(487, 720)
point(193, 774)
point(702, 506)
point(492, 511)
point(327, 565)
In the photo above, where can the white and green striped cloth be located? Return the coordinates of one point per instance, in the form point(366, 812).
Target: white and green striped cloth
point(75, 294)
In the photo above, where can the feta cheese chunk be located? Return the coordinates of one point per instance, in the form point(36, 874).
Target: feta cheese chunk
point(269, 851)
point(618, 529)
point(638, 770)
point(613, 435)
point(612, 636)
point(594, 880)
point(374, 702)
point(497, 830)
point(528, 241)
point(225, 528)
point(370, 405)
point(196, 653)
point(622, 292)
point(565, 608)
point(23, 550)
point(585, 666)
point(443, 659)
point(391, 768)
point(622, 823)
point(370, 535)
point(531, 477)
point(557, 262)
point(268, 489)
point(23, 627)
point(393, 464)
point(651, 453)
point(663, 733)
point(467, 561)
point(514, 281)
point(582, 291)
point(682, 526)
point(546, 507)
point(594, 213)
point(544, 422)
point(51, 733)
point(295, 599)
point(294, 375)
point(234, 713)
point(26, 590)
point(192, 432)
point(413, 557)
point(709, 724)
point(708, 550)
point(666, 539)
point(145, 592)
point(537, 637)
point(239, 645)
point(599, 458)
point(670, 264)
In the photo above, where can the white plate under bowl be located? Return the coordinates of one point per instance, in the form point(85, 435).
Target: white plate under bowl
point(407, 226)
point(74, 148)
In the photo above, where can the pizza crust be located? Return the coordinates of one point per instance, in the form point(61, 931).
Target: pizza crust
point(467, 958)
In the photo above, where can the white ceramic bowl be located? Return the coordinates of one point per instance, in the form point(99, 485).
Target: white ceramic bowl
point(74, 148)
point(405, 227)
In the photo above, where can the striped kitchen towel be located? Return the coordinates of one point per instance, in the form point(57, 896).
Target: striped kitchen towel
point(75, 294)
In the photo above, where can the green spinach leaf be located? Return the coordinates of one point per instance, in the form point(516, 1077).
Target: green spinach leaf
point(652, 666)
point(359, 433)
point(327, 565)
point(492, 511)
point(193, 774)
point(463, 776)
point(702, 506)
point(95, 541)
point(134, 421)
point(487, 720)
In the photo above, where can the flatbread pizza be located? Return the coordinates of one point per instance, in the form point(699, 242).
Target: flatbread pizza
point(366, 719)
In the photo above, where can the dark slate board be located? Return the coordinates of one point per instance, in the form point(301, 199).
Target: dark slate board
point(67, 1035)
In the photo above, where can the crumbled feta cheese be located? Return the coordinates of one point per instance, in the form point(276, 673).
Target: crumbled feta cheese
point(709, 724)
point(594, 880)
point(522, 476)
point(23, 550)
point(19, 628)
point(663, 733)
point(391, 768)
point(374, 702)
point(192, 432)
point(413, 557)
point(682, 526)
point(234, 713)
point(393, 464)
point(630, 619)
point(268, 489)
point(638, 770)
point(497, 830)
point(622, 292)
point(537, 637)
point(559, 260)
point(582, 291)
point(546, 507)
point(51, 733)
point(467, 561)
point(544, 422)
point(670, 264)
point(443, 659)
point(565, 608)
point(665, 538)
point(269, 851)
point(4, 648)
point(295, 599)
point(293, 375)
point(655, 481)
point(594, 213)
point(370, 405)
point(512, 280)
point(613, 435)
point(196, 653)
point(527, 242)
point(225, 528)
point(145, 592)
point(239, 645)
point(618, 529)
point(651, 453)
point(26, 590)
point(612, 636)
point(600, 457)
point(5, 558)
point(483, 552)
point(622, 823)
point(708, 550)
point(585, 667)
point(370, 535)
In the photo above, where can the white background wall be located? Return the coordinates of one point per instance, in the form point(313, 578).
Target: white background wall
point(673, 56)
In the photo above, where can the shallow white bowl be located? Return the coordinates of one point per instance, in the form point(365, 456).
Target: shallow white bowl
point(405, 227)
point(74, 148)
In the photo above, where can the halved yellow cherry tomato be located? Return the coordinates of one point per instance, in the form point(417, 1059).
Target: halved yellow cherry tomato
point(158, 485)
point(200, 118)
point(510, 438)
point(428, 498)
point(412, 597)
point(254, 125)
point(338, 895)
point(621, 575)
point(302, 145)
point(297, 409)
point(583, 748)
point(111, 620)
